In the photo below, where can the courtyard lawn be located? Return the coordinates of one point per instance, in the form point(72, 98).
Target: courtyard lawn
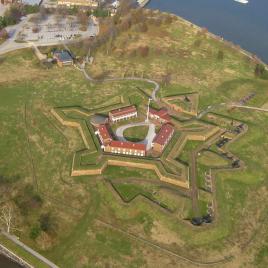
point(136, 134)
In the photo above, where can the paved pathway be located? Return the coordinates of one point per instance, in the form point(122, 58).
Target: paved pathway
point(156, 85)
point(28, 249)
point(148, 139)
point(250, 108)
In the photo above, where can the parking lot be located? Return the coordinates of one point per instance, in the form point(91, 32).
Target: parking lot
point(54, 30)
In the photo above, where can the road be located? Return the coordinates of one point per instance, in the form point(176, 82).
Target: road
point(28, 249)
point(148, 139)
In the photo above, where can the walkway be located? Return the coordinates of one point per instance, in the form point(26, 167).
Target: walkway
point(156, 85)
point(28, 249)
point(250, 108)
point(148, 139)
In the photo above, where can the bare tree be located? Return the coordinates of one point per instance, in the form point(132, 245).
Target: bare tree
point(6, 217)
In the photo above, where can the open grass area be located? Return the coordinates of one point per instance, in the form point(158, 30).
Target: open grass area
point(211, 159)
point(37, 150)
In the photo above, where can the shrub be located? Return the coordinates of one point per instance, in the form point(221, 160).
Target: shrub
point(220, 55)
point(35, 231)
point(197, 43)
point(47, 223)
point(143, 51)
point(28, 200)
point(260, 71)
point(142, 27)
point(8, 179)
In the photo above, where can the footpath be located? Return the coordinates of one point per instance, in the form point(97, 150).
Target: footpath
point(28, 249)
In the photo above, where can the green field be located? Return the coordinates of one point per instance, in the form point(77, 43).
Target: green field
point(69, 225)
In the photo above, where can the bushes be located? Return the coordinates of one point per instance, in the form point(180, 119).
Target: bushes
point(47, 223)
point(220, 55)
point(9, 179)
point(35, 232)
point(143, 51)
point(28, 200)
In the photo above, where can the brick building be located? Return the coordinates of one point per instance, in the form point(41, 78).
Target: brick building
point(163, 137)
point(104, 135)
point(160, 115)
point(126, 148)
point(123, 114)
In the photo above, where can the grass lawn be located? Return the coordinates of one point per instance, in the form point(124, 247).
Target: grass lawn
point(211, 159)
point(136, 134)
point(185, 153)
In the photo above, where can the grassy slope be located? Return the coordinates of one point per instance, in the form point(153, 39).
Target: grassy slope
point(77, 203)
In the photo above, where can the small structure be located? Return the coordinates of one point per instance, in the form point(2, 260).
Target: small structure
point(126, 148)
point(163, 137)
point(162, 115)
point(63, 57)
point(104, 135)
point(123, 114)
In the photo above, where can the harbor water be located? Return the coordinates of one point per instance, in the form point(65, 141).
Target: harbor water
point(7, 263)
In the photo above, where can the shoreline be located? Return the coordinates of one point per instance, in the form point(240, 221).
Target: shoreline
point(230, 44)
point(13, 257)
point(222, 40)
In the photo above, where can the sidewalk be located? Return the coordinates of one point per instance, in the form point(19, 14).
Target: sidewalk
point(28, 249)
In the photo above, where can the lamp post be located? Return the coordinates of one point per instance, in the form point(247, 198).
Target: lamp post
point(147, 117)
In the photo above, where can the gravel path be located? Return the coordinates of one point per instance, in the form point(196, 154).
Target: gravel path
point(148, 139)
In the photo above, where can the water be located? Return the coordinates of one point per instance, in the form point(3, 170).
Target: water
point(244, 25)
point(7, 263)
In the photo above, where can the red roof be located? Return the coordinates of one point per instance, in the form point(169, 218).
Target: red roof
point(104, 132)
point(123, 111)
point(128, 145)
point(163, 135)
point(163, 113)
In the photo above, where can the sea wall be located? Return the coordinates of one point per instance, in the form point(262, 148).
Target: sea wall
point(12, 256)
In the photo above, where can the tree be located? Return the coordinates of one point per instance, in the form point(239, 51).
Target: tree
point(82, 18)
point(166, 79)
point(197, 43)
point(47, 223)
point(35, 231)
point(259, 70)
point(3, 22)
point(144, 51)
point(14, 14)
point(6, 217)
point(142, 27)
